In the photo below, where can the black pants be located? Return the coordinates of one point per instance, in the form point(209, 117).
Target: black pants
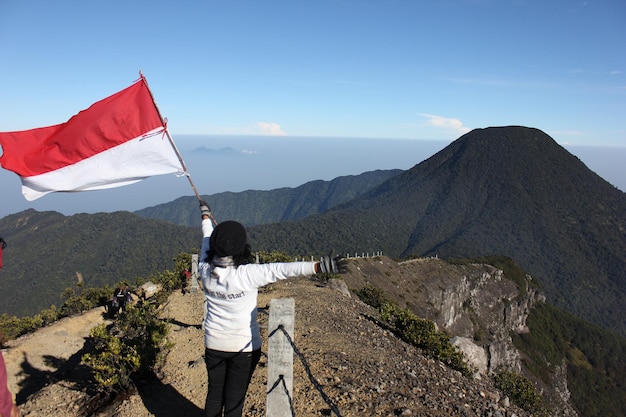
point(229, 376)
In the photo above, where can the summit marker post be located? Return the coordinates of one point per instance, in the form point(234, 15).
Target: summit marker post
point(280, 358)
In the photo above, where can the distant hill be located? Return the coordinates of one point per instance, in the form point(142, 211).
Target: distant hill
point(509, 191)
point(254, 207)
point(46, 250)
point(106, 248)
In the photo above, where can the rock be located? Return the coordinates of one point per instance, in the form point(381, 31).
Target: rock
point(476, 355)
point(339, 285)
point(149, 289)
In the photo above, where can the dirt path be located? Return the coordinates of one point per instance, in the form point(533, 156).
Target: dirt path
point(37, 359)
point(351, 363)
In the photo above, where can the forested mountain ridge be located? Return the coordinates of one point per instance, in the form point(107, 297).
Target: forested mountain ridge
point(105, 248)
point(509, 191)
point(254, 207)
point(46, 251)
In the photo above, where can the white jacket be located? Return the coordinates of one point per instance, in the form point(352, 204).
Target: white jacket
point(230, 316)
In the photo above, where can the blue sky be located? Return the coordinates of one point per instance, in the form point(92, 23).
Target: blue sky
point(393, 69)
point(339, 68)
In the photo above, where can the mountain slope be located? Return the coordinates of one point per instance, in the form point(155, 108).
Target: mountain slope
point(347, 362)
point(255, 207)
point(508, 191)
point(46, 250)
point(363, 366)
point(500, 191)
point(106, 248)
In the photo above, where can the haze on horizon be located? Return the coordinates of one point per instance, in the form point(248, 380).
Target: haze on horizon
point(238, 163)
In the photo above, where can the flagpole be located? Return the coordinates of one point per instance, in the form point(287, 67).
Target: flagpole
point(169, 137)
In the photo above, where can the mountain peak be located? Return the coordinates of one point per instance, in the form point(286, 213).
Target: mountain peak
point(510, 191)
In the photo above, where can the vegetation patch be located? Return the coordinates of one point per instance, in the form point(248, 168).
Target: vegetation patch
point(373, 296)
point(596, 370)
point(521, 391)
point(412, 329)
point(135, 344)
point(423, 334)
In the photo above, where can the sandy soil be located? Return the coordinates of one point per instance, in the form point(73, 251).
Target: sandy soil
point(346, 364)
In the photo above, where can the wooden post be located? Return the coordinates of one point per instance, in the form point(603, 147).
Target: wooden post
point(194, 273)
point(280, 358)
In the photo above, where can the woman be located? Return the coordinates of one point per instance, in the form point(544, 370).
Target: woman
point(231, 333)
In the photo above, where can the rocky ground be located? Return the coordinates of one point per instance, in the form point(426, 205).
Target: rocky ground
point(348, 365)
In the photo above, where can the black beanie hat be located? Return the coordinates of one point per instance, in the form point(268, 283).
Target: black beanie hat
point(228, 239)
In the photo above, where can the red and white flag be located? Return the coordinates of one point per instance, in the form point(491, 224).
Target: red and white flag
point(117, 141)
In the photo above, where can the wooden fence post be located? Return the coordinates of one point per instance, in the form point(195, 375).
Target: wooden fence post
point(280, 358)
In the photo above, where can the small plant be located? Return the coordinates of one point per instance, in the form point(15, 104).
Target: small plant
point(134, 344)
point(521, 391)
point(113, 361)
point(373, 296)
point(12, 327)
point(169, 280)
point(327, 277)
point(88, 298)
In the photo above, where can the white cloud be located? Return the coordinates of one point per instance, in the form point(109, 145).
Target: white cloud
point(259, 128)
point(270, 128)
point(447, 123)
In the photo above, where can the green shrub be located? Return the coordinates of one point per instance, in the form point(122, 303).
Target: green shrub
point(423, 333)
point(328, 277)
point(265, 257)
point(74, 303)
point(48, 316)
point(134, 344)
point(182, 262)
point(521, 391)
point(11, 327)
point(86, 299)
point(141, 327)
point(373, 296)
point(113, 361)
point(169, 280)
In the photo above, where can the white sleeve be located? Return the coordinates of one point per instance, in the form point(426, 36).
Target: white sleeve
point(258, 275)
point(207, 229)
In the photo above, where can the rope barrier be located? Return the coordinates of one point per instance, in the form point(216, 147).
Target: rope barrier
point(314, 381)
point(281, 380)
